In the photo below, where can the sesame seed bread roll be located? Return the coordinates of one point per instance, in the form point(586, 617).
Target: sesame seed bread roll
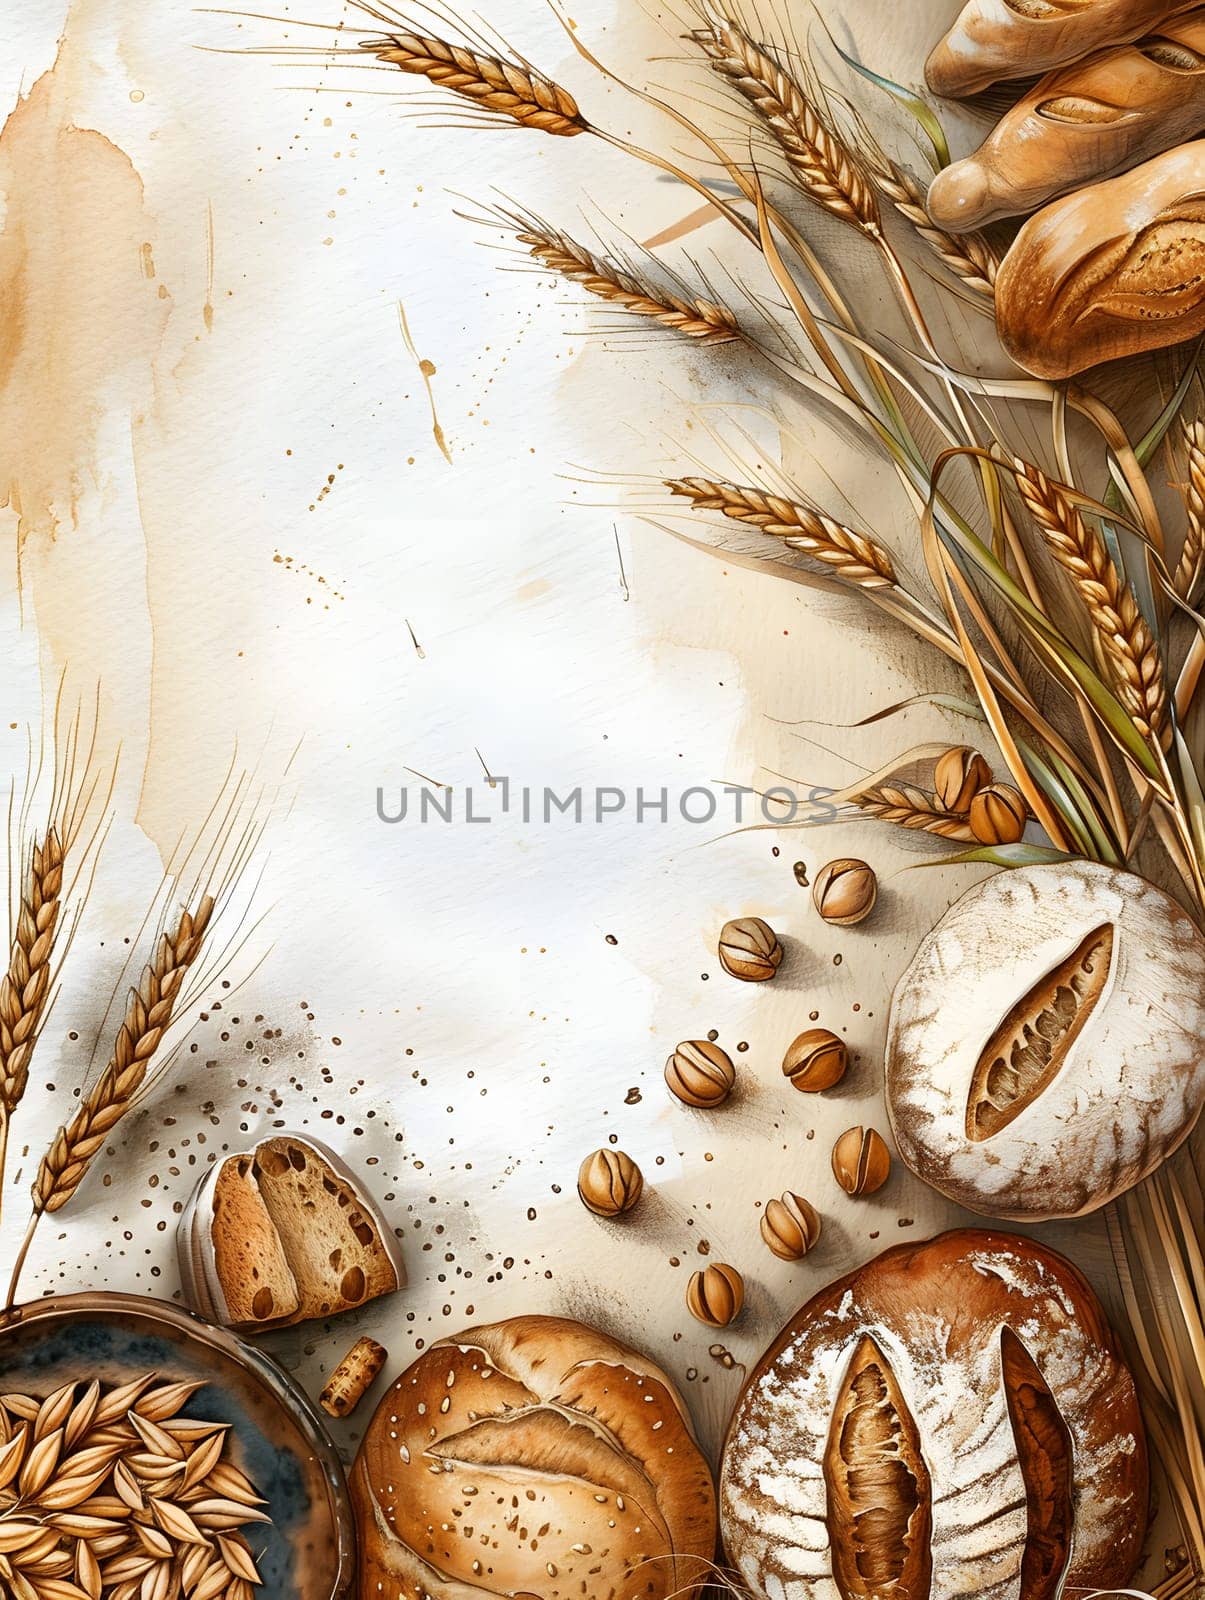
point(1004, 39)
point(952, 1419)
point(1082, 123)
point(1116, 270)
point(533, 1457)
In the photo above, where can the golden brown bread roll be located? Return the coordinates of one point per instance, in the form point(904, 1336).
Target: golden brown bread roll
point(1004, 39)
point(1112, 271)
point(1080, 124)
point(951, 1419)
point(533, 1457)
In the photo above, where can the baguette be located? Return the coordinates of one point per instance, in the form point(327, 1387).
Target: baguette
point(1006, 39)
point(1112, 271)
point(1082, 123)
point(283, 1234)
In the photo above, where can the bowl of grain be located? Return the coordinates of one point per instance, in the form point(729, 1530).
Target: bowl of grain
point(145, 1453)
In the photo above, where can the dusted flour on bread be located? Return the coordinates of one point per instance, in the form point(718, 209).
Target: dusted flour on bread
point(938, 1315)
point(1046, 1048)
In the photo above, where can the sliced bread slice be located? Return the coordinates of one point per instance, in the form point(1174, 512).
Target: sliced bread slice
point(339, 1249)
point(250, 1259)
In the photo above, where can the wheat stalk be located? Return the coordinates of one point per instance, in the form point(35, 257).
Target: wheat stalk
point(696, 319)
point(503, 87)
point(148, 1014)
point(912, 808)
point(26, 985)
point(1121, 628)
point(969, 256)
point(1188, 572)
point(106, 1491)
point(854, 557)
point(821, 161)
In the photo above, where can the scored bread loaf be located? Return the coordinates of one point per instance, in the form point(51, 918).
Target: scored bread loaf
point(994, 40)
point(282, 1234)
point(1046, 1047)
point(952, 1419)
point(1082, 123)
point(534, 1457)
point(1113, 271)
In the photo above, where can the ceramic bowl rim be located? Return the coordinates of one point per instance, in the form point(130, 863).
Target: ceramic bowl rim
point(284, 1390)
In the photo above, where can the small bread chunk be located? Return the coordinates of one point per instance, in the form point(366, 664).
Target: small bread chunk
point(334, 1246)
point(249, 1257)
point(281, 1234)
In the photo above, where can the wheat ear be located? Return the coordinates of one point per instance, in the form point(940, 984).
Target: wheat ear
point(821, 161)
point(696, 319)
point(504, 87)
point(26, 985)
point(1192, 557)
point(969, 256)
point(912, 808)
point(1120, 627)
point(148, 1014)
point(854, 557)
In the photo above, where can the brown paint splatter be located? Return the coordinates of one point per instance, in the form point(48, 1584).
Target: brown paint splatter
point(210, 256)
point(688, 224)
point(80, 313)
point(427, 372)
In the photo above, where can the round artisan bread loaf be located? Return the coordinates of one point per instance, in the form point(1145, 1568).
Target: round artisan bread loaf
point(537, 1458)
point(951, 1419)
point(1046, 1048)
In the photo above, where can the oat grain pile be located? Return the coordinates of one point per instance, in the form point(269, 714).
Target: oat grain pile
point(108, 1493)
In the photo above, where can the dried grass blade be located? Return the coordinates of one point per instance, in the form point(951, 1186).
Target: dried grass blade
point(940, 566)
point(1192, 557)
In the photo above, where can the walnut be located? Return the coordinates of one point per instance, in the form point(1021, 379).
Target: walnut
point(958, 776)
point(816, 1060)
point(861, 1161)
point(790, 1226)
point(998, 815)
point(749, 949)
point(609, 1183)
point(715, 1296)
point(845, 892)
point(700, 1074)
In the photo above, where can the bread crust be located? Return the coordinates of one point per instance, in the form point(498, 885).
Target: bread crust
point(995, 40)
point(534, 1456)
point(1082, 123)
point(937, 1311)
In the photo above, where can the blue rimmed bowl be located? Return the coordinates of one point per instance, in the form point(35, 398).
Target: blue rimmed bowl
point(308, 1550)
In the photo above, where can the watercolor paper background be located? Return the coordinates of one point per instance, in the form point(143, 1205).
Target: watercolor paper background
point(230, 509)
